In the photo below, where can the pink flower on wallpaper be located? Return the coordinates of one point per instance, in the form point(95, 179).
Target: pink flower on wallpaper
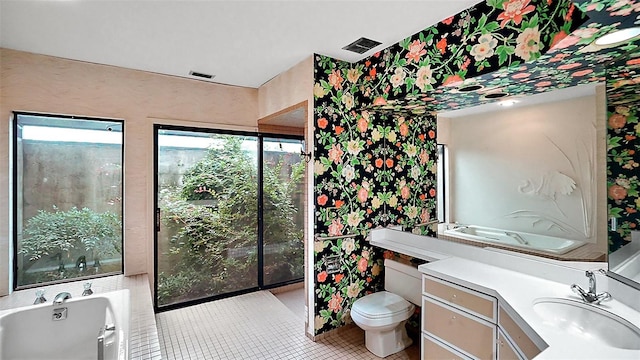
point(582, 73)
point(322, 277)
point(448, 20)
point(335, 79)
point(442, 45)
point(569, 66)
point(543, 84)
point(521, 75)
point(617, 192)
point(363, 124)
point(335, 153)
point(338, 277)
point(363, 194)
point(557, 38)
point(404, 192)
point(389, 163)
point(528, 43)
point(452, 80)
point(322, 123)
point(416, 50)
point(335, 228)
point(379, 101)
point(335, 304)
point(514, 10)
point(362, 265)
point(322, 200)
point(404, 129)
point(424, 157)
point(617, 121)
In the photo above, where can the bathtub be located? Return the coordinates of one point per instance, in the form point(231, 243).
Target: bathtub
point(521, 240)
point(32, 333)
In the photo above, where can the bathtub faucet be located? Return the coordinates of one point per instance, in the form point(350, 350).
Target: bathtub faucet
point(61, 297)
point(517, 237)
point(591, 297)
point(459, 226)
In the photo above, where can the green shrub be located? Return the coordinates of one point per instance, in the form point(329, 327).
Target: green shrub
point(59, 231)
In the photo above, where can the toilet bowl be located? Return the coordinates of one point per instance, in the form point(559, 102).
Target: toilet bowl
point(382, 315)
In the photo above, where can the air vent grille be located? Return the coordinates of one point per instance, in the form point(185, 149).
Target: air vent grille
point(362, 45)
point(201, 75)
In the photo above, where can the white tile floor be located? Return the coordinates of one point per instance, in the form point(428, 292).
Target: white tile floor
point(255, 326)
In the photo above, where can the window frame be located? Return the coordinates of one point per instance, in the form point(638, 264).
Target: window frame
point(14, 201)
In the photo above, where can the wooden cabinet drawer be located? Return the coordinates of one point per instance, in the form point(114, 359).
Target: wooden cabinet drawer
point(434, 349)
point(505, 349)
point(521, 340)
point(473, 336)
point(477, 303)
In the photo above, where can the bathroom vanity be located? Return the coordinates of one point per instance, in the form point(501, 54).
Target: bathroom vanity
point(483, 303)
point(460, 322)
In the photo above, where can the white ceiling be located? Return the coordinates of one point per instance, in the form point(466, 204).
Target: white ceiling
point(243, 43)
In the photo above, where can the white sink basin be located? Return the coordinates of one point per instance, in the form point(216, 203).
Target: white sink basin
point(588, 321)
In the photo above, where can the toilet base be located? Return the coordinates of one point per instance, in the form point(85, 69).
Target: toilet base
point(385, 343)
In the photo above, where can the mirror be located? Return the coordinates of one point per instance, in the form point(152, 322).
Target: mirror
point(623, 101)
point(529, 177)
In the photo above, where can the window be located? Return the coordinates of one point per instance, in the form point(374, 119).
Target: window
point(67, 198)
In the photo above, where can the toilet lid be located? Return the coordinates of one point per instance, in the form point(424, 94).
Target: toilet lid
point(381, 304)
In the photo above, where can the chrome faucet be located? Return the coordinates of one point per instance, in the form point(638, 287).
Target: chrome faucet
point(61, 297)
point(40, 297)
point(87, 289)
point(591, 297)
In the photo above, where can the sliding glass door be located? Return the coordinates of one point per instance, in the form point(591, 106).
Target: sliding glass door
point(228, 214)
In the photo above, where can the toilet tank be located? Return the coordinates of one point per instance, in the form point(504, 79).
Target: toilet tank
point(403, 280)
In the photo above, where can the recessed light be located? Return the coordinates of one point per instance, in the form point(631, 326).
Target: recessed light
point(618, 37)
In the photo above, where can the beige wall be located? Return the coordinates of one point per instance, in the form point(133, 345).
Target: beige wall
point(286, 90)
point(47, 84)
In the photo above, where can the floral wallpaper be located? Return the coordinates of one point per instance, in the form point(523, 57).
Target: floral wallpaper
point(372, 169)
point(623, 152)
point(374, 158)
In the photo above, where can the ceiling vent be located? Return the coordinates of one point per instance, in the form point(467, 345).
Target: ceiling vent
point(201, 75)
point(362, 45)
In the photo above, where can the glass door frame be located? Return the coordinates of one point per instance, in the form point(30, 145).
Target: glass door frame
point(260, 137)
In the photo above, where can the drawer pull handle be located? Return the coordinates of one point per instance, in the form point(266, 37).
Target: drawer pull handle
point(453, 317)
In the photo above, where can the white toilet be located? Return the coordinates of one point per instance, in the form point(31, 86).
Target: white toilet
point(382, 315)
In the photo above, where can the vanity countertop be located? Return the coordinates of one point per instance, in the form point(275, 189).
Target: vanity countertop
point(518, 291)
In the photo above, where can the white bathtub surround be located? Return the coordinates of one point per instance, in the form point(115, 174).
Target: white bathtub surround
point(77, 328)
point(517, 239)
point(143, 339)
